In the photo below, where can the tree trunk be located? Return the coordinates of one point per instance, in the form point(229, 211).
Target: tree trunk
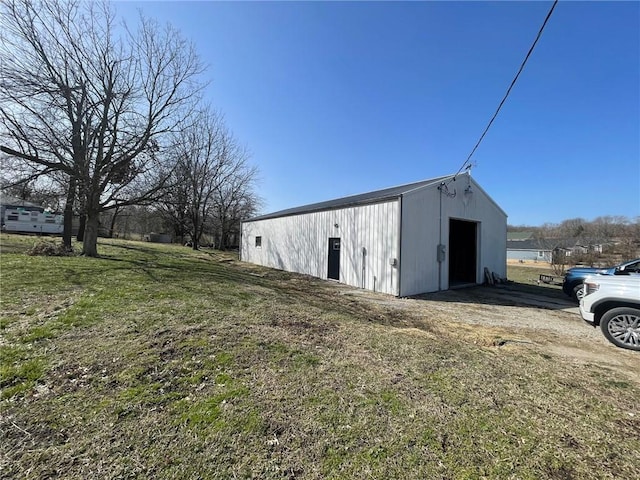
point(81, 228)
point(194, 234)
point(113, 222)
point(68, 215)
point(90, 242)
point(224, 233)
point(179, 233)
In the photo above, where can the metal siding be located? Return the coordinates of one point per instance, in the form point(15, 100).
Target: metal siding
point(299, 243)
point(421, 234)
point(526, 254)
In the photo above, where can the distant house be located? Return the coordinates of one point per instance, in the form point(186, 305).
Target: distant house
point(523, 247)
point(420, 237)
point(587, 248)
point(529, 250)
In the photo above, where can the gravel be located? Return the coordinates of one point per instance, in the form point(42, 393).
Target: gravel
point(543, 320)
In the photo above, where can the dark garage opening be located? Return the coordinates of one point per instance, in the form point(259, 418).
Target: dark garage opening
point(462, 252)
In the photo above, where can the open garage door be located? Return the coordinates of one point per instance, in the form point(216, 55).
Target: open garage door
point(463, 255)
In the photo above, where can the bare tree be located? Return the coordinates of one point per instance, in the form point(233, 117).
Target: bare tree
point(18, 179)
point(235, 200)
point(174, 207)
point(605, 240)
point(199, 167)
point(94, 102)
point(212, 182)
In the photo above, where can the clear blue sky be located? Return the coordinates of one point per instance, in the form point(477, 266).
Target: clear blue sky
point(339, 98)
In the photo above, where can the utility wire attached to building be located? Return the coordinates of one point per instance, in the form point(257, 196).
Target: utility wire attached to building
point(467, 164)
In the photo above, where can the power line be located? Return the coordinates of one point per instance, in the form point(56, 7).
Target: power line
point(466, 164)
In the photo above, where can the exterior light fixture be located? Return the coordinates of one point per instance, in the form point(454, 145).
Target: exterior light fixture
point(467, 195)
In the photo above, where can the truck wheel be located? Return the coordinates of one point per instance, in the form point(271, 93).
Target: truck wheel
point(578, 292)
point(621, 326)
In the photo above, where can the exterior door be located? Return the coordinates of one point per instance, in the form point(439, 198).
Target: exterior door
point(334, 259)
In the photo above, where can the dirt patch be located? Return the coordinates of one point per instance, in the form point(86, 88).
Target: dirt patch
point(516, 318)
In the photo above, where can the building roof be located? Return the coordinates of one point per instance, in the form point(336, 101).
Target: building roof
point(519, 236)
point(8, 200)
point(531, 244)
point(353, 200)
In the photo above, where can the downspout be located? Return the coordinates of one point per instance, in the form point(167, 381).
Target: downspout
point(439, 241)
point(240, 242)
point(398, 267)
point(364, 259)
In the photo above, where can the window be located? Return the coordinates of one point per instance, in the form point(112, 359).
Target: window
point(258, 242)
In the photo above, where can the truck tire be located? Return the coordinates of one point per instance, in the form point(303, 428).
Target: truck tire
point(621, 326)
point(578, 292)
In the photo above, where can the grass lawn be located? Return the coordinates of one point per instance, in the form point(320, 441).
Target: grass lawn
point(158, 362)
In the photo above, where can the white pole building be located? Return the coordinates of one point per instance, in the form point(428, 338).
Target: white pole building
point(420, 237)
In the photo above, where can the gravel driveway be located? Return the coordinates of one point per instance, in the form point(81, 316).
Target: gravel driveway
point(527, 317)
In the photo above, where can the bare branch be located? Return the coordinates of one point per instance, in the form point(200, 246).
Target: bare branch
point(100, 103)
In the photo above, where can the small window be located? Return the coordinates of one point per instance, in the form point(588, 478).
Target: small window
point(258, 242)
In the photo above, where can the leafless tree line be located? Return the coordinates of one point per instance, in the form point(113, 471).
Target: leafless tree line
point(212, 183)
point(599, 229)
point(106, 116)
point(617, 237)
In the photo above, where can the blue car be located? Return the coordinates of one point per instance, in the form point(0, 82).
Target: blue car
point(574, 278)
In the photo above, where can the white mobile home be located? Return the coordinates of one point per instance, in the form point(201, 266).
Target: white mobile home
point(421, 237)
point(31, 220)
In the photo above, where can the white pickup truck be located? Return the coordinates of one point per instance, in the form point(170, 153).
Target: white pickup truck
point(613, 303)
